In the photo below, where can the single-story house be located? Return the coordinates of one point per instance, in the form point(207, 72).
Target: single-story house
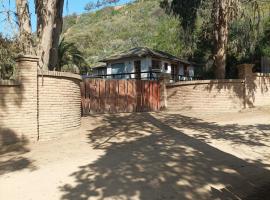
point(99, 70)
point(141, 62)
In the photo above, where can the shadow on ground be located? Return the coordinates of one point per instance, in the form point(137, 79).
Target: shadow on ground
point(147, 157)
point(12, 150)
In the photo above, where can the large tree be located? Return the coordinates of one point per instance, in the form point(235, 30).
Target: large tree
point(49, 27)
point(24, 23)
point(220, 17)
point(223, 12)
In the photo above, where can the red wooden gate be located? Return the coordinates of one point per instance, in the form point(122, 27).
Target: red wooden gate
point(112, 96)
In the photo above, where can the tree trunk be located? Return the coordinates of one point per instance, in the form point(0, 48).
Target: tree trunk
point(58, 21)
point(49, 27)
point(220, 20)
point(24, 23)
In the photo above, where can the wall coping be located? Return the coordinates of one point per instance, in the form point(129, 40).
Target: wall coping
point(59, 74)
point(262, 74)
point(9, 83)
point(200, 82)
point(30, 58)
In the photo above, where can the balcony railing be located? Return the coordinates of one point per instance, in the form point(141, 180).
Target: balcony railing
point(148, 75)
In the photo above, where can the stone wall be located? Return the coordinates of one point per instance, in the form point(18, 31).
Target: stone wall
point(38, 106)
point(206, 96)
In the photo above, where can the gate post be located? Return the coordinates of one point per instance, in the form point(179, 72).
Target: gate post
point(245, 73)
point(27, 72)
point(163, 80)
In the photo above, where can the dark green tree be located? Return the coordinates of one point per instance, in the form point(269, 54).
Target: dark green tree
point(70, 58)
point(8, 52)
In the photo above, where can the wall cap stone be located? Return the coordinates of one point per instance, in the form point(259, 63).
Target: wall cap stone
point(262, 74)
point(199, 82)
point(59, 74)
point(30, 58)
point(9, 83)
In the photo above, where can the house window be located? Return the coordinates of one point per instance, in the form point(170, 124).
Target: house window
point(156, 64)
point(118, 68)
point(165, 66)
point(186, 71)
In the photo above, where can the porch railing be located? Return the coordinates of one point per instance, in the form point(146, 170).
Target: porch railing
point(148, 75)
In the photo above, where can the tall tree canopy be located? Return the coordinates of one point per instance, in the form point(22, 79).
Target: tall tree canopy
point(223, 13)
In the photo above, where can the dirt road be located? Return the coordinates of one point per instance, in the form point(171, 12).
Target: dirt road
point(146, 156)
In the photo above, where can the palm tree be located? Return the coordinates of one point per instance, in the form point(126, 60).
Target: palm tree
point(69, 56)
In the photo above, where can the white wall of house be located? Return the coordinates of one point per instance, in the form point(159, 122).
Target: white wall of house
point(129, 66)
point(146, 65)
point(109, 70)
point(191, 70)
point(169, 68)
point(181, 69)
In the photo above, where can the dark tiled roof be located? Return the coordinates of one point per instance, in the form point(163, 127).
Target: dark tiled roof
point(142, 52)
point(99, 65)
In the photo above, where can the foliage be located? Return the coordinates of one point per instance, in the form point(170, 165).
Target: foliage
point(186, 10)
point(263, 47)
point(8, 52)
point(70, 58)
point(114, 29)
point(216, 28)
point(168, 37)
point(70, 21)
point(98, 4)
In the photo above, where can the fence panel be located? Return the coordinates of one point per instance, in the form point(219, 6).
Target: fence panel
point(116, 96)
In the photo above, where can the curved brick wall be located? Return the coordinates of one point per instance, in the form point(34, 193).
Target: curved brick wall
point(206, 96)
point(59, 104)
point(18, 104)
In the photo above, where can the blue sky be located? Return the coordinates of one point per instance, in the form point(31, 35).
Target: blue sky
point(73, 6)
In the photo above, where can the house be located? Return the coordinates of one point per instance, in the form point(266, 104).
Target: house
point(99, 70)
point(145, 63)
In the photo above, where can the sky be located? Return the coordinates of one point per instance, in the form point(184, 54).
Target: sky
point(71, 6)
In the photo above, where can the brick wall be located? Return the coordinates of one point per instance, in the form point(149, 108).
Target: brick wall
point(206, 96)
point(18, 103)
point(38, 106)
point(261, 90)
point(251, 90)
point(43, 106)
point(257, 86)
point(59, 103)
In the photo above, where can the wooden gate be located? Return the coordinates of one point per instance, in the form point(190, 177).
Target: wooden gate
point(115, 96)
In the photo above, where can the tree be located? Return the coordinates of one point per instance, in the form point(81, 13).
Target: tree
point(8, 51)
point(98, 4)
point(70, 55)
point(89, 6)
point(223, 12)
point(24, 23)
point(49, 27)
point(220, 17)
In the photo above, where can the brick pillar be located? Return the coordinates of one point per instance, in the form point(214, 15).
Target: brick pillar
point(245, 73)
point(27, 68)
point(164, 80)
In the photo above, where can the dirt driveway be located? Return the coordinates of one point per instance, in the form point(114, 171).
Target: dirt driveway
point(146, 156)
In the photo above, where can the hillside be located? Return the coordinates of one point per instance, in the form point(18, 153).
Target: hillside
point(114, 29)
point(143, 23)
